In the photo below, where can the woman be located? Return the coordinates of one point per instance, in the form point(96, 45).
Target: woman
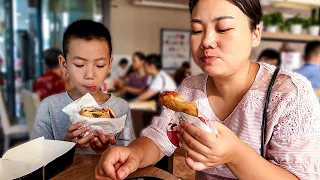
point(137, 80)
point(233, 91)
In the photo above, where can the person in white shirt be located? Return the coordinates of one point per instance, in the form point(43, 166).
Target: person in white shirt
point(120, 71)
point(161, 81)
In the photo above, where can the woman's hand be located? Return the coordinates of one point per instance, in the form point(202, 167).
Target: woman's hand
point(205, 150)
point(102, 142)
point(117, 163)
point(74, 133)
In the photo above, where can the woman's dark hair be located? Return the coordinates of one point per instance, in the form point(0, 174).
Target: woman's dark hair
point(87, 30)
point(251, 8)
point(140, 55)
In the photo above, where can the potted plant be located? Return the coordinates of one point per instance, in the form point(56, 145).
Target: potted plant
point(296, 24)
point(272, 21)
point(313, 25)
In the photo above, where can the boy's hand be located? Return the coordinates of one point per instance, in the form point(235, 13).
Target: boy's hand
point(102, 142)
point(73, 135)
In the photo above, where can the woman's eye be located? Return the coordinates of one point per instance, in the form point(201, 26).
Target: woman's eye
point(196, 32)
point(79, 65)
point(223, 30)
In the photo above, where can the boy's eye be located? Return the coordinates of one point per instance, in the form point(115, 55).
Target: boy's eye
point(79, 65)
point(102, 66)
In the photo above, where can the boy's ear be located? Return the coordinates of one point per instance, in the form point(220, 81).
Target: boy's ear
point(63, 64)
point(256, 36)
point(110, 64)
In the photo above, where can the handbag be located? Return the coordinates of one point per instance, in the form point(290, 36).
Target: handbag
point(264, 117)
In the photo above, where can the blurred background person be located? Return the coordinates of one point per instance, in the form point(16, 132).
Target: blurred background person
point(311, 68)
point(182, 72)
point(120, 71)
point(137, 80)
point(270, 56)
point(52, 81)
point(161, 81)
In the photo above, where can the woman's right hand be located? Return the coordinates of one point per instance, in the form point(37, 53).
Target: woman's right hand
point(74, 133)
point(117, 163)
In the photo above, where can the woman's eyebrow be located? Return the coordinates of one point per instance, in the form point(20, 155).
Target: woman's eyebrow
point(219, 18)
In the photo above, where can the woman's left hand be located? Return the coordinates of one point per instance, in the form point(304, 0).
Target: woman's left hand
point(206, 150)
point(101, 143)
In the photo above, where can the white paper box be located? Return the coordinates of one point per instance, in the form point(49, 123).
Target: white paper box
point(36, 159)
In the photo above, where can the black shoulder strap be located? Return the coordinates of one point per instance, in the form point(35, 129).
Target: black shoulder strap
point(264, 117)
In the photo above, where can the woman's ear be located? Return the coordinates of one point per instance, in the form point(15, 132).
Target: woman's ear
point(63, 64)
point(256, 36)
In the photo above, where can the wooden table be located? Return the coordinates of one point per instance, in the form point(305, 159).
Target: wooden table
point(84, 165)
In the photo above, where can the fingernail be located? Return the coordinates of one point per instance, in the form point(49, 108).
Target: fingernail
point(88, 128)
point(80, 124)
point(181, 123)
point(121, 174)
point(178, 128)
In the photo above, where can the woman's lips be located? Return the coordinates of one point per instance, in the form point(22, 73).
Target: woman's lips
point(91, 88)
point(208, 59)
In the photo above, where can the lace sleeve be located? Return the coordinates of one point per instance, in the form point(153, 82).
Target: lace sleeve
point(295, 144)
point(157, 130)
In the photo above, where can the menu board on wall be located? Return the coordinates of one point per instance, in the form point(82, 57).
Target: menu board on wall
point(175, 48)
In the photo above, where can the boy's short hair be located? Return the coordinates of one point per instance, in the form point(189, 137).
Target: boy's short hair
point(155, 60)
point(50, 57)
point(123, 61)
point(312, 49)
point(87, 30)
point(270, 53)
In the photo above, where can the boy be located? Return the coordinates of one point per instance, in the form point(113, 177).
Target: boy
point(87, 60)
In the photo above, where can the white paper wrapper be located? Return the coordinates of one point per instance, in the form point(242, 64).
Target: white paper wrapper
point(109, 126)
point(200, 122)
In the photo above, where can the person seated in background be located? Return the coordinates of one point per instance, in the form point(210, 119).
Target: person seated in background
point(137, 80)
point(161, 81)
point(270, 56)
point(311, 68)
point(182, 73)
point(52, 81)
point(120, 71)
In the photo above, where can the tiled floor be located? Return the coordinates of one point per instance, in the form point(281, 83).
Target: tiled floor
point(180, 168)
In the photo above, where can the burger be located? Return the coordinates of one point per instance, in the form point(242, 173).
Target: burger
point(95, 112)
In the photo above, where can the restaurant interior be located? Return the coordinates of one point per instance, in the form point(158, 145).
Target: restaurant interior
point(29, 27)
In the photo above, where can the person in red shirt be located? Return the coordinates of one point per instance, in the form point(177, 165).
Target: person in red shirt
point(53, 80)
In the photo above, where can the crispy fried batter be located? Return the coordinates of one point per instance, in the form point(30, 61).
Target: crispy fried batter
point(176, 102)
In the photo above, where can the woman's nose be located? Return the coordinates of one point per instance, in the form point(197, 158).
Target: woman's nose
point(209, 40)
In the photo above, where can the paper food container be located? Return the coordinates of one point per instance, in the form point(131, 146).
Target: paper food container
point(109, 126)
point(36, 159)
point(200, 122)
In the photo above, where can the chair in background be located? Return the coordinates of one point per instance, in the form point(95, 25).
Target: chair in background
point(30, 101)
point(8, 129)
